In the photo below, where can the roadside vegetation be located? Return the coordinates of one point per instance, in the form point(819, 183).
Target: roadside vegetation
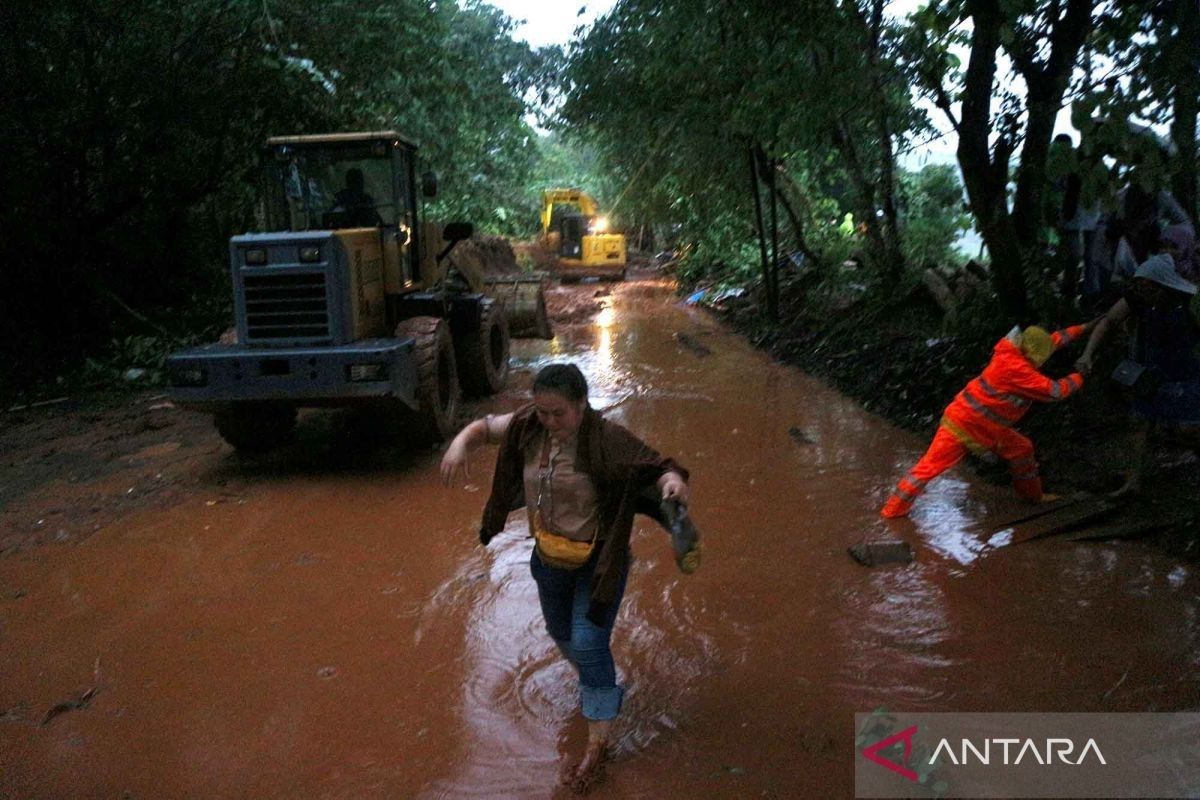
point(764, 144)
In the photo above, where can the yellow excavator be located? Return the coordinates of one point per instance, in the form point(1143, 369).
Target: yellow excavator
point(580, 239)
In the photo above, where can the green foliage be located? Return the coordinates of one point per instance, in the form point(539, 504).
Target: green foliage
point(674, 117)
point(932, 213)
point(133, 127)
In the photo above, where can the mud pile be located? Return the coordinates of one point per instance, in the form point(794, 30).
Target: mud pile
point(573, 306)
point(490, 255)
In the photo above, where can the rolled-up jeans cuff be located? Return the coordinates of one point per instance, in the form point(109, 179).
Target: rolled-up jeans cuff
point(601, 703)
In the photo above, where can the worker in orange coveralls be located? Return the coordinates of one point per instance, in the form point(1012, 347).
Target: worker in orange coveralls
point(982, 415)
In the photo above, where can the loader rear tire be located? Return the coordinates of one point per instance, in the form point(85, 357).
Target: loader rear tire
point(437, 380)
point(482, 355)
point(256, 427)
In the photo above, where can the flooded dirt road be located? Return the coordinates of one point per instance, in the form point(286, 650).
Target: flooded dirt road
point(335, 632)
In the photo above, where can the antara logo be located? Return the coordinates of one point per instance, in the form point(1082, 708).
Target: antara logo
point(1061, 749)
point(1047, 752)
point(871, 753)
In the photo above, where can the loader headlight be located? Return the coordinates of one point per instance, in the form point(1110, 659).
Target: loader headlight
point(367, 372)
point(256, 257)
point(309, 255)
point(599, 225)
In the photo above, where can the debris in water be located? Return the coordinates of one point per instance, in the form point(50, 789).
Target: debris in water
point(77, 703)
point(327, 673)
point(14, 714)
point(881, 552)
point(696, 347)
point(800, 436)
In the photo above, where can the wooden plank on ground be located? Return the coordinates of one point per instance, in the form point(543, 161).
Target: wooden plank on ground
point(1064, 519)
point(1119, 530)
point(1033, 512)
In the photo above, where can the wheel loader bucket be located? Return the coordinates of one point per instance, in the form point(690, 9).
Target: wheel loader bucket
point(525, 299)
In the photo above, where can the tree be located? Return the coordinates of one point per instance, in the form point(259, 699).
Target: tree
point(677, 114)
point(1043, 41)
point(133, 130)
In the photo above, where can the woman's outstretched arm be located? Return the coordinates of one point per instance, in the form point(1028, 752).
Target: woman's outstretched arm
point(485, 430)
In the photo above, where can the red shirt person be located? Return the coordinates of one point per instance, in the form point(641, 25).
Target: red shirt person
point(981, 417)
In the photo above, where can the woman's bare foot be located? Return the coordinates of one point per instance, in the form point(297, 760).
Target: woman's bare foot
point(589, 770)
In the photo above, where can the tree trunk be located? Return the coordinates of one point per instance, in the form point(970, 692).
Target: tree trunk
point(1011, 239)
point(1183, 70)
point(986, 176)
point(752, 152)
point(893, 253)
point(794, 220)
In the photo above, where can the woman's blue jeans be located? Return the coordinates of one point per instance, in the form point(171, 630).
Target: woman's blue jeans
point(565, 595)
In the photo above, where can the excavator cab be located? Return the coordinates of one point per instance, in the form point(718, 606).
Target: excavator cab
point(571, 229)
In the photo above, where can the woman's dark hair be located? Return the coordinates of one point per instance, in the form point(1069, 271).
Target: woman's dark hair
point(565, 379)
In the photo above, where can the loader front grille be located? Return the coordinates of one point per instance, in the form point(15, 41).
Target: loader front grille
point(292, 306)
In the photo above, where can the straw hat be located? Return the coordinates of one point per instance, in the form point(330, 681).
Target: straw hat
point(1161, 270)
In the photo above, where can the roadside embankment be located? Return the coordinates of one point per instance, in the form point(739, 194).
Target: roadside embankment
point(896, 355)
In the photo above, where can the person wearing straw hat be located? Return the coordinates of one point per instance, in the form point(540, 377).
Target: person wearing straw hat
point(981, 418)
point(1166, 369)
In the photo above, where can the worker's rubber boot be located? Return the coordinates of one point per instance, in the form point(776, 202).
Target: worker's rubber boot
point(895, 507)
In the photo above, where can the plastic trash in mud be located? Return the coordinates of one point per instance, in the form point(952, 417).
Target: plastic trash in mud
point(685, 539)
point(713, 297)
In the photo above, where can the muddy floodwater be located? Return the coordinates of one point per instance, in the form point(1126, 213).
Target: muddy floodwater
point(334, 633)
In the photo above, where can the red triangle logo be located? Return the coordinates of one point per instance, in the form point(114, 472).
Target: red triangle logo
point(871, 753)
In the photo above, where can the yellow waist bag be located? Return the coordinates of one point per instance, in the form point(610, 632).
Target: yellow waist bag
point(554, 549)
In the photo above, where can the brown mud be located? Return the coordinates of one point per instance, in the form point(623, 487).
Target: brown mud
point(323, 623)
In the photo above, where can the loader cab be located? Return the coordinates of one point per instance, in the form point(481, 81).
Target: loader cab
point(341, 182)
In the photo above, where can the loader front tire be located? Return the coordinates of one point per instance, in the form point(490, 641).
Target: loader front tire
point(256, 427)
point(482, 355)
point(437, 380)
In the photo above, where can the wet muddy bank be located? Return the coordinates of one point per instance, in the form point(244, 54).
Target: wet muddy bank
point(899, 360)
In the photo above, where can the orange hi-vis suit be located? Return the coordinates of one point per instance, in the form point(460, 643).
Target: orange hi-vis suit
point(981, 418)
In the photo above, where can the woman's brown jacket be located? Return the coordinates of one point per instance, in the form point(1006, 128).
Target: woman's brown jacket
point(624, 470)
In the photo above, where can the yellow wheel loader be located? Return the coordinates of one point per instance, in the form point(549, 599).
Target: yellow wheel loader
point(580, 239)
point(348, 301)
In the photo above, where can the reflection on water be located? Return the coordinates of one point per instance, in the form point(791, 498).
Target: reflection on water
point(743, 678)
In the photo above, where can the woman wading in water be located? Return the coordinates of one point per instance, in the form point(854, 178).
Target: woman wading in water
point(579, 477)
